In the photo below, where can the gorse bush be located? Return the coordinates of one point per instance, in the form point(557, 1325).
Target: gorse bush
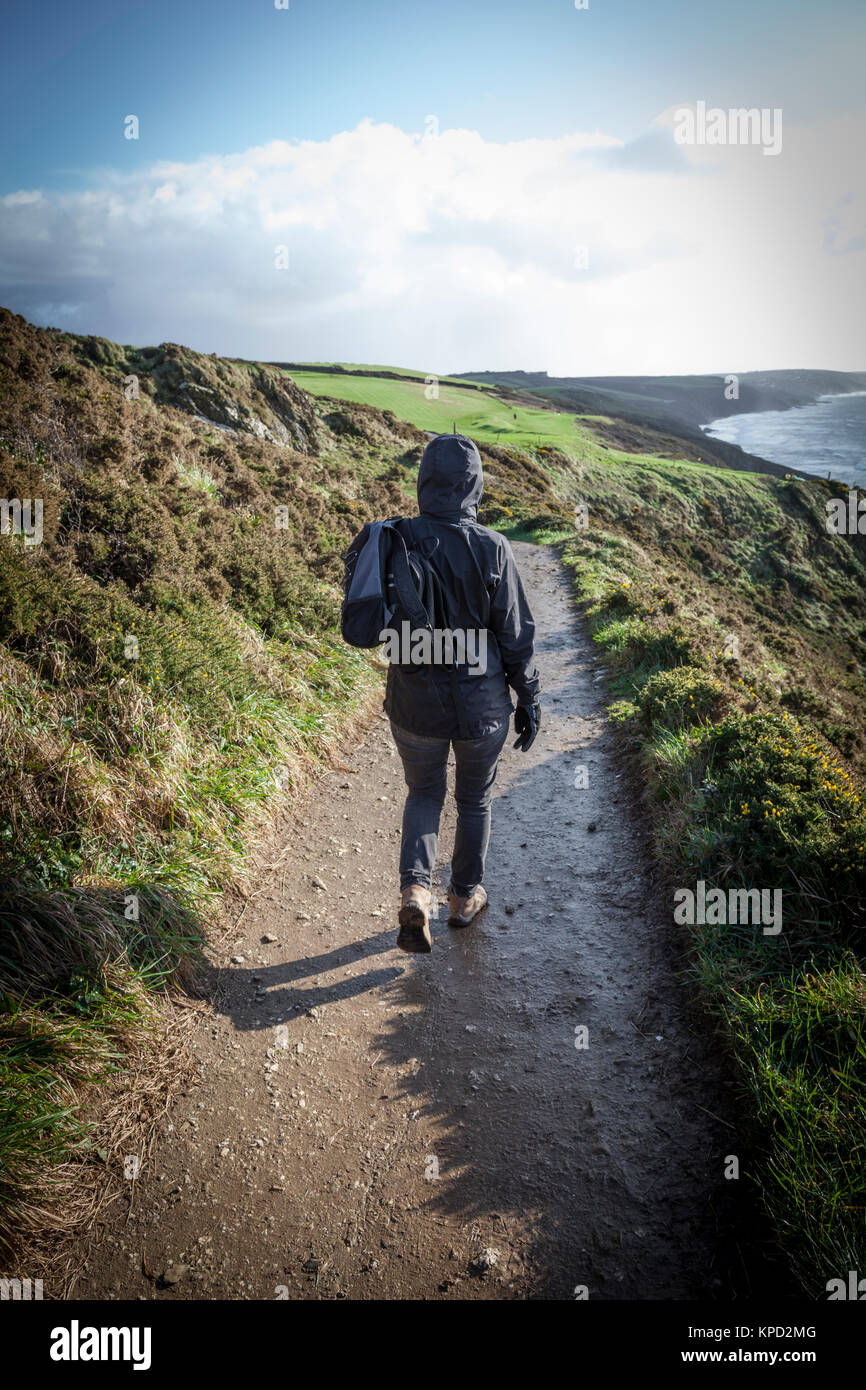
point(791, 815)
point(679, 697)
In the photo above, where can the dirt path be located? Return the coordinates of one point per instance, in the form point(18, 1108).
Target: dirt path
point(314, 1166)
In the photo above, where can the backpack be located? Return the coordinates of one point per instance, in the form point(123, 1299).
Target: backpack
point(383, 581)
point(391, 583)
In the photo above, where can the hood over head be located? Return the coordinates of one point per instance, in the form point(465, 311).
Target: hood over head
point(450, 480)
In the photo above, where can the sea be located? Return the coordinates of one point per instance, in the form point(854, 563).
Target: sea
point(827, 437)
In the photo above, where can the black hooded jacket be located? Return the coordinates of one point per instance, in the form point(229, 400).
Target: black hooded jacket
point(482, 589)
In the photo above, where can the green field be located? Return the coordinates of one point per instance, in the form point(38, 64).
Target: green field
point(482, 416)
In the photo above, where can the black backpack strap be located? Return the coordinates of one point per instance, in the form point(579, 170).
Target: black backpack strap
point(405, 584)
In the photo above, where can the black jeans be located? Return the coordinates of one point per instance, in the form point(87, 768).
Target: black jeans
point(424, 766)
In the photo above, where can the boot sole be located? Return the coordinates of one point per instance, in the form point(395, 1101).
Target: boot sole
point(414, 935)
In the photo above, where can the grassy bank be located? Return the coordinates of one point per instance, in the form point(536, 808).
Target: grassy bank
point(170, 668)
point(733, 627)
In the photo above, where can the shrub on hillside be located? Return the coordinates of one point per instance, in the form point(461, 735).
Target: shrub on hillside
point(790, 815)
point(674, 699)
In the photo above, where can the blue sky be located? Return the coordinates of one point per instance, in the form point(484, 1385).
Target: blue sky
point(213, 81)
point(220, 76)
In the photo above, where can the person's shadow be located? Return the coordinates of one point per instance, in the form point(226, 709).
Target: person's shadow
point(241, 992)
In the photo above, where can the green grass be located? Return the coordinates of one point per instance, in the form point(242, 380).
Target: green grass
point(481, 416)
point(197, 477)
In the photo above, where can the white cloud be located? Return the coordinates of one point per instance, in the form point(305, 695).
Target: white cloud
point(452, 252)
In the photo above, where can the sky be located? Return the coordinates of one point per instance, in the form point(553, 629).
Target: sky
point(463, 186)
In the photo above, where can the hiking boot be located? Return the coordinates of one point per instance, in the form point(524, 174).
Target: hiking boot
point(414, 919)
point(462, 910)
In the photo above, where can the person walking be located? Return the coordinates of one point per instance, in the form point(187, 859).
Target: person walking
point(476, 599)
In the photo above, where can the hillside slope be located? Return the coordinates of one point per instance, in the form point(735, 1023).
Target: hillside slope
point(734, 629)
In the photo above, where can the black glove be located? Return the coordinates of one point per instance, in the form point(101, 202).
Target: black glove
point(527, 722)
